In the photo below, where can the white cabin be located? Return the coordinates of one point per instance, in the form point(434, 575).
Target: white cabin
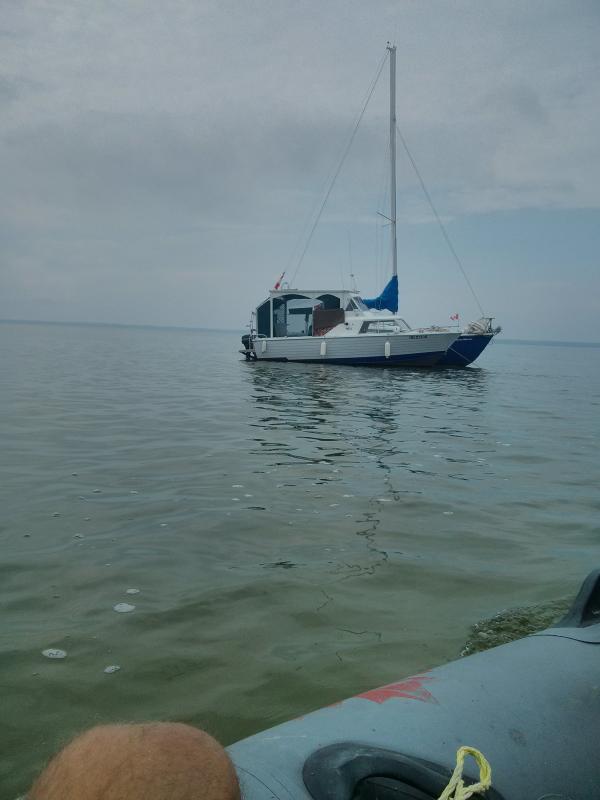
point(305, 312)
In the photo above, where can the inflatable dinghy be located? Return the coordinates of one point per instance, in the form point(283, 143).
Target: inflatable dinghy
point(532, 707)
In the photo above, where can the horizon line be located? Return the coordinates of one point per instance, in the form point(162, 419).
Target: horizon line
point(115, 325)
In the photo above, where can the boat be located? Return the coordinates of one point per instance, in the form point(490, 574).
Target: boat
point(337, 326)
point(531, 707)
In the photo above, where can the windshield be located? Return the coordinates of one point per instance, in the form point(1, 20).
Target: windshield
point(359, 303)
point(392, 326)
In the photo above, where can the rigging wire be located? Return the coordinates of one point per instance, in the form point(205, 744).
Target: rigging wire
point(340, 165)
point(302, 236)
point(438, 219)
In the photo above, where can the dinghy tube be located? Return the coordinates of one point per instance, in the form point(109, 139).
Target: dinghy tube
point(532, 707)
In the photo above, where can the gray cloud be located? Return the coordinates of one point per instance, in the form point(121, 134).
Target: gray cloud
point(153, 151)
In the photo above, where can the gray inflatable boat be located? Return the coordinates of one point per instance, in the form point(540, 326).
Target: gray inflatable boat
point(531, 706)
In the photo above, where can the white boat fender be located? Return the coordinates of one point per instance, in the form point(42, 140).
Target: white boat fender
point(531, 706)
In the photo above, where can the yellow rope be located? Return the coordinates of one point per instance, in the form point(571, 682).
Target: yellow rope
point(456, 789)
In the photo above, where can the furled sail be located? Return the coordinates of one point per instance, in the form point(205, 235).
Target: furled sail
point(388, 299)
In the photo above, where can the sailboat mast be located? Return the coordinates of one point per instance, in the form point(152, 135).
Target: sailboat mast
point(392, 51)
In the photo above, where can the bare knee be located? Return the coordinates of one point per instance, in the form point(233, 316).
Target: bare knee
point(154, 761)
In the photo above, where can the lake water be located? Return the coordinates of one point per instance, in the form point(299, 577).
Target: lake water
point(295, 533)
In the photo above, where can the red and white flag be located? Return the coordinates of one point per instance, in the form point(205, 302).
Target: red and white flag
point(454, 316)
point(278, 284)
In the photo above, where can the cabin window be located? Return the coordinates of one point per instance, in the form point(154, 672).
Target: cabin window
point(293, 315)
point(356, 304)
point(263, 323)
point(329, 301)
point(389, 326)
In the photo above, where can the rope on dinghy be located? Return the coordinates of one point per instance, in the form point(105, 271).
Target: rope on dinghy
point(456, 789)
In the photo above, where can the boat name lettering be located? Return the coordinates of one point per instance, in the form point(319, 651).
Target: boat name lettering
point(423, 336)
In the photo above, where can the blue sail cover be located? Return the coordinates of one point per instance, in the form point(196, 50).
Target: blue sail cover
point(388, 299)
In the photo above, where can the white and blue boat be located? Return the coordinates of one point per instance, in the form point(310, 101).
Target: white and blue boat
point(338, 326)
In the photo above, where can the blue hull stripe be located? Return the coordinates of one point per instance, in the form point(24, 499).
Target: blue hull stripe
point(412, 360)
point(465, 350)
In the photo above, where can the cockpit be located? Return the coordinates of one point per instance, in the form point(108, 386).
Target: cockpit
point(300, 314)
point(297, 313)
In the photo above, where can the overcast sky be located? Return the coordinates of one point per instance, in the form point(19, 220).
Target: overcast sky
point(160, 160)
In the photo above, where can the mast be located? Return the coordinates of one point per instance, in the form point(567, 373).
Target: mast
point(392, 51)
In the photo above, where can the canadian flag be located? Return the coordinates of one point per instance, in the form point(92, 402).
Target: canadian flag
point(278, 284)
point(452, 316)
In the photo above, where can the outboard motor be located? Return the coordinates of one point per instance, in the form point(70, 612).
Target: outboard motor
point(532, 707)
point(248, 350)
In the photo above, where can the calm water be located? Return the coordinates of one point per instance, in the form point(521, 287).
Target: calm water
point(296, 533)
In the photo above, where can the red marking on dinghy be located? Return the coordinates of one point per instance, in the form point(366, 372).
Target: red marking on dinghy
point(410, 689)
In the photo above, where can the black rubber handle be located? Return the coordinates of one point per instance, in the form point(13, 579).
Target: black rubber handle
point(585, 610)
point(338, 771)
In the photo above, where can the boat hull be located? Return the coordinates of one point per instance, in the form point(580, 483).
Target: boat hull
point(531, 707)
point(407, 350)
point(465, 350)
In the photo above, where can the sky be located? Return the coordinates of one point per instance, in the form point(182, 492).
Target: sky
point(161, 161)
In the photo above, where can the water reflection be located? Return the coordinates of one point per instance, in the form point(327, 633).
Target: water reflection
point(328, 414)
point(304, 397)
point(366, 439)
